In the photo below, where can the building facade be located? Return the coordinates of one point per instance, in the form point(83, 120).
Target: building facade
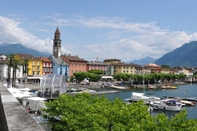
point(110, 66)
point(75, 63)
point(96, 65)
point(34, 67)
point(127, 68)
point(47, 66)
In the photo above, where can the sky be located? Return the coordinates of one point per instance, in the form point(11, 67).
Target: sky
point(100, 29)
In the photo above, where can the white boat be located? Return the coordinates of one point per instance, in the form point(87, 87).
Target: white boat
point(119, 87)
point(167, 105)
point(81, 90)
point(140, 96)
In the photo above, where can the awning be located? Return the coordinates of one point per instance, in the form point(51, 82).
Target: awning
point(107, 77)
point(34, 77)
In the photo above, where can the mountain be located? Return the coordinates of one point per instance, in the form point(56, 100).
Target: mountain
point(185, 56)
point(143, 61)
point(19, 48)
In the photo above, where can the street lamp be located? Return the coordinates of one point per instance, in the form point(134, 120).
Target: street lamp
point(61, 67)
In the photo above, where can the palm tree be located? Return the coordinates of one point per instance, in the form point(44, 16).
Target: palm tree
point(25, 68)
point(15, 67)
point(9, 63)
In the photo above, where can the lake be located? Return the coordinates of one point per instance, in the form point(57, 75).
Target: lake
point(186, 90)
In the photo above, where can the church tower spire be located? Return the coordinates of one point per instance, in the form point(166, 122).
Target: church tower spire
point(57, 44)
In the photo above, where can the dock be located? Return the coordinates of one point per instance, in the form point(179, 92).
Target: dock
point(97, 92)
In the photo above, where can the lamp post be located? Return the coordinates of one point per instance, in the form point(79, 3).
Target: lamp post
point(61, 67)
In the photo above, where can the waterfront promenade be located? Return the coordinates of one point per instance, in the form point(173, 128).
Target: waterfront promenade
point(13, 117)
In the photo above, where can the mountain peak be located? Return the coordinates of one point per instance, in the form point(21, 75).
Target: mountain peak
point(183, 56)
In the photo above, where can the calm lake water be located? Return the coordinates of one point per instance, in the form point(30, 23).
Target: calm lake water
point(191, 90)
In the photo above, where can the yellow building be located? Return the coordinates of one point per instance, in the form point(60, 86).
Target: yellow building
point(127, 68)
point(111, 61)
point(34, 65)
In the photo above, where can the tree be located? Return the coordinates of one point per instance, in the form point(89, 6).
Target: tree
point(90, 76)
point(100, 72)
point(84, 112)
point(9, 63)
point(25, 69)
point(15, 67)
point(165, 66)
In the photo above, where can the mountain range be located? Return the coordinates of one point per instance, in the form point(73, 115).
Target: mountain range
point(19, 48)
point(184, 56)
point(143, 61)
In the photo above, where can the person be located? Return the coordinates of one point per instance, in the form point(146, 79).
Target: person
point(24, 103)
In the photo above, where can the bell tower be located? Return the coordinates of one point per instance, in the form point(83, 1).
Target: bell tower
point(57, 44)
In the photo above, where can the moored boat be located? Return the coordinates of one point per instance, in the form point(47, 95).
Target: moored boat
point(135, 96)
point(167, 105)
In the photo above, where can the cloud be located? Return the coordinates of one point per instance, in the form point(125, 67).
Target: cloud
point(133, 40)
point(153, 45)
point(104, 22)
point(12, 33)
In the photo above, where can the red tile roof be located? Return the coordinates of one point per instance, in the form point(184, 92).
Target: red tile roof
point(45, 59)
point(74, 58)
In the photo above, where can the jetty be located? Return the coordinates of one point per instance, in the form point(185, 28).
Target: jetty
point(98, 92)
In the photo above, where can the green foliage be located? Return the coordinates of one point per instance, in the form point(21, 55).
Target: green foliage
point(90, 76)
point(149, 78)
point(96, 71)
point(84, 112)
point(165, 66)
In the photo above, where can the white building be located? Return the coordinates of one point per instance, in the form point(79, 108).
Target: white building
point(4, 72)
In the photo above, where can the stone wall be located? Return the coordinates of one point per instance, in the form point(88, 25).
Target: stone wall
point(13, 117)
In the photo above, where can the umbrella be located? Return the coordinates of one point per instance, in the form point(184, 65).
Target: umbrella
point(20, 95)
point(24, 89)
point(37, 98)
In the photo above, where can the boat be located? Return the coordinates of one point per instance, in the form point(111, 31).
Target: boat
point(152, 87)
point(173, 87)
point(167, 105)
point(194, 99)
point(188, 103)
point(120, 87)
point(81, 90)
point(163, 87)
point(140, 96)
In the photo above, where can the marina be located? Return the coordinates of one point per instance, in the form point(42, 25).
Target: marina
point(185, 91)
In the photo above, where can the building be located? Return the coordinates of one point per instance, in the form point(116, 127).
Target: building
point(96, 65)
point(57, 44)
point(47, 66)
point(3, 67)
point(127, 68)
point(152, 68)
point(34, 67)
point(110, 66)
point(75, 63)
point(3, 57)
point(59, 65)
